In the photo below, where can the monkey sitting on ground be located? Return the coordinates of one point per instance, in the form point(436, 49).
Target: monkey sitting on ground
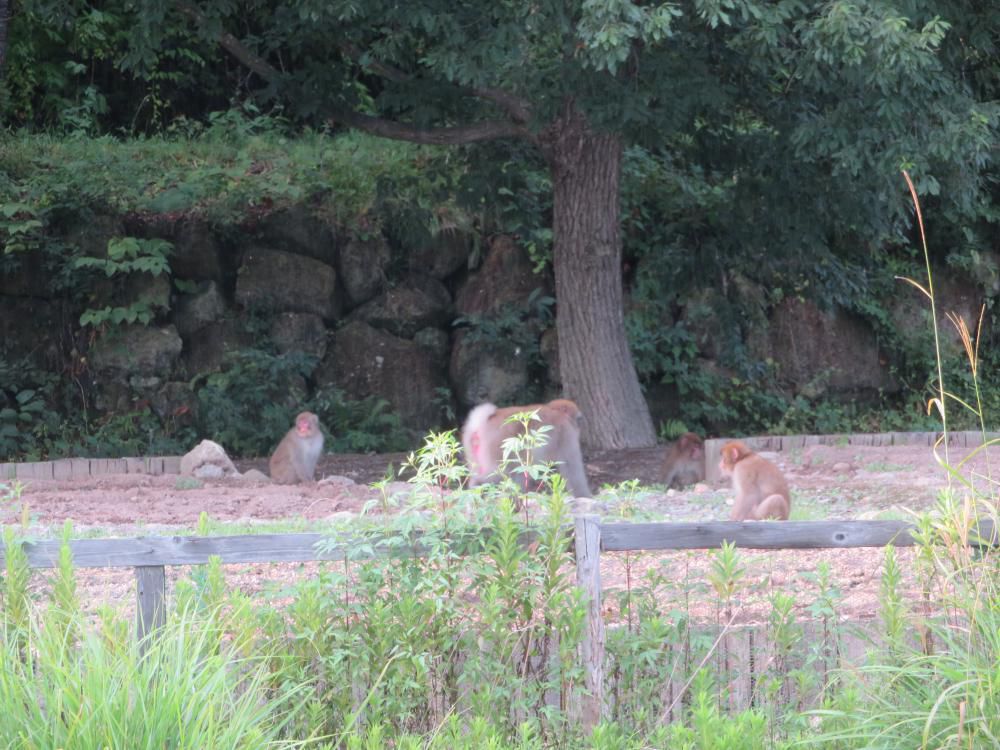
point(684, 461)
point(295, 458)
point(485, 430)
point(761, 489)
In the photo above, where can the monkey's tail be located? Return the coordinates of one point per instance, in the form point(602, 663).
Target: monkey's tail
point(477, 418)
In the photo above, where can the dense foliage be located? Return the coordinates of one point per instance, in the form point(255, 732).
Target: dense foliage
point(52, 189)
point(763, 143)
point(736, 102)
point(765, 139)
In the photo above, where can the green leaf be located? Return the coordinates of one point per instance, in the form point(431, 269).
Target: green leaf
point(173, 199)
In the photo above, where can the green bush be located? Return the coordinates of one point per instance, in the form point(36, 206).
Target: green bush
point(250, 404)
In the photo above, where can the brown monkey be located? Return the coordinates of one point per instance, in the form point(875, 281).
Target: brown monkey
point(761, 489)
point(484, 432)
point(294, 460)
point(684, 462)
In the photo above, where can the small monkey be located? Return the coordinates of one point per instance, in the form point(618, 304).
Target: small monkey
point(294, 460)
point(761, 489)
point(484, 432)
point(684, 461)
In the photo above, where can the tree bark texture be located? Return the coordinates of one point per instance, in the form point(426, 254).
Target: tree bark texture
point(594, 359)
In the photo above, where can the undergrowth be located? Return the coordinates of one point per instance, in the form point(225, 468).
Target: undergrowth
point(453, 621)
point(60, 200)
point(930, 682)
point(220, 172)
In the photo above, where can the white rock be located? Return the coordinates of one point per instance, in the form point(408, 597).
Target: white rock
point(208, 471)
point(207, 453)
point(253, 475)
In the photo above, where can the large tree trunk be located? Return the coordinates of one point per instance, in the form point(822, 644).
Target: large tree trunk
point(594, 359)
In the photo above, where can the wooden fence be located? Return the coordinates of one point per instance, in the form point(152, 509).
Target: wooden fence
point(149, 556)
point(79, 468)
point(967, 439)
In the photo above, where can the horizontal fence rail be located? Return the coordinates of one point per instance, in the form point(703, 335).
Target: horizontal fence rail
point(149, 556)
point(628, 537)
point(614, 537)
point(181, 550)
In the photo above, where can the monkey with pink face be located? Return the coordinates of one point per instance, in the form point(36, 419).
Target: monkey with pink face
point(295, 458)
point(486, 428)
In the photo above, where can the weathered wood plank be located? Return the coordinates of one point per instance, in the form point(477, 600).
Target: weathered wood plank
point(134, 465)
point(193, 550)
point(588, 578)
point(180, 550)
point(957, 439)
point(111, 466)
point(151, 600)
point(621, 537)
point(80, 468)
point(974, 439)
point(62, 469)
point(35, 470)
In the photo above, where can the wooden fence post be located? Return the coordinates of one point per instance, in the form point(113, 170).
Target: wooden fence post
point(588, 578)
point(150, 600)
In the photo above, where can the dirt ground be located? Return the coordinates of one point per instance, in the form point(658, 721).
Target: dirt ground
point(828, 482)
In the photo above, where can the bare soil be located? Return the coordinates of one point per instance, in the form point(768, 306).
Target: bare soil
point(828, 482)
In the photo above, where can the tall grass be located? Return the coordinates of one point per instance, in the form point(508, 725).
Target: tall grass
point(935, 681)
point(96, 692)
point(78, 685)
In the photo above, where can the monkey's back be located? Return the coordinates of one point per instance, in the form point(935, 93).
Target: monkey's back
point(776, 483)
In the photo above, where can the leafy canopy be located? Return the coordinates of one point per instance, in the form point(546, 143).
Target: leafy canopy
point(785, 93)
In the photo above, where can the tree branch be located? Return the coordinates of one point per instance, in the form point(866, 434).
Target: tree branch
point(479, 131)
point(350, 49)
point(234, 46)
point(516, 107)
